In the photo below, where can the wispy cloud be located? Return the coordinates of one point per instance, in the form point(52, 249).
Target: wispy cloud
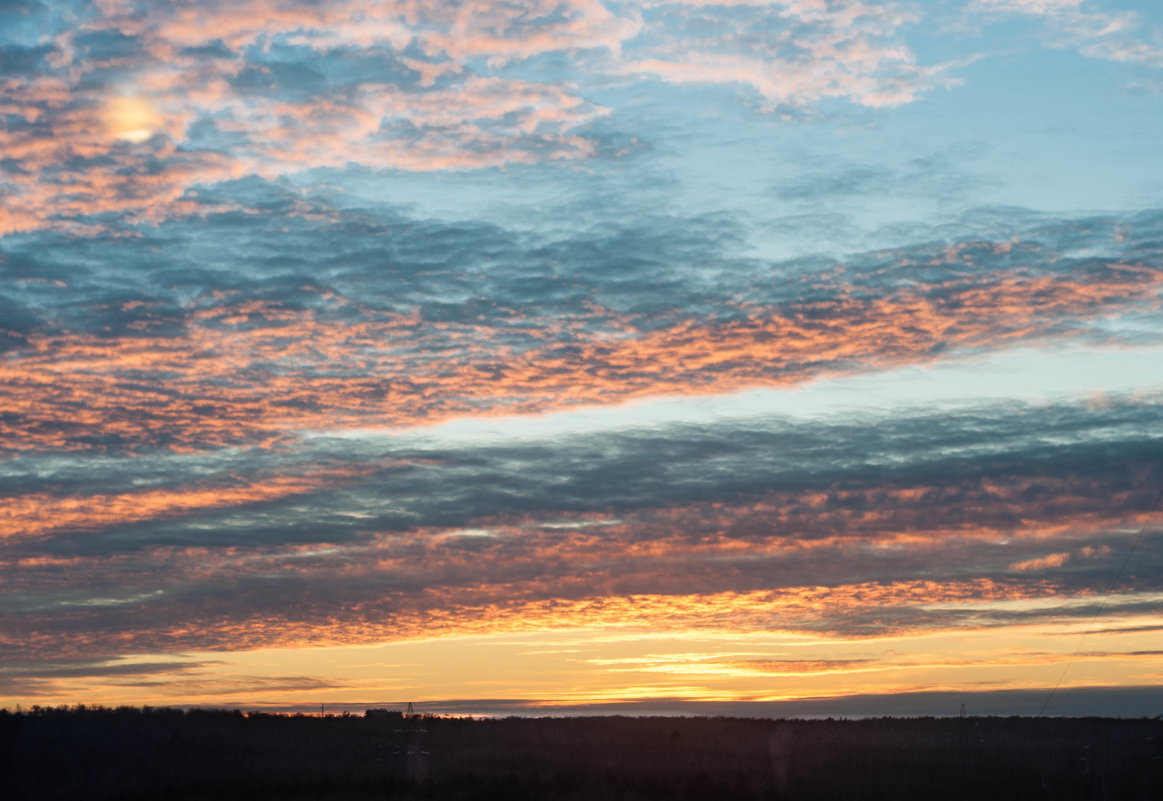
point(793, 54)
point(1121, 36)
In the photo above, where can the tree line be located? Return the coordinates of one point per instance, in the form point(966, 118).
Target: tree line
point(129, 753)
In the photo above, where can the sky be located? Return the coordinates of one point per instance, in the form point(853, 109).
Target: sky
point(532, 356)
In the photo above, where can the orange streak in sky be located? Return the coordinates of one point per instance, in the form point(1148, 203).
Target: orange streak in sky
point(438, 613)
point(40, 513)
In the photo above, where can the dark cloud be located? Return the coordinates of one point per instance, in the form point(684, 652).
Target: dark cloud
point(16, 60)
point(649, 270)
point(35, 678)
point(291, 80)
point(952, 458)
point(988, 502)
point(16, 322)
point(1125, 702)
point(302, 74)
point(108, 46)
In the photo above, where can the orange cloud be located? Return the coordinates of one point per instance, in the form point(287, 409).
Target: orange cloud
point(129, 156)
point(668, 569)
point(1041, 563)
point(87, 149)
point(130, 150)
point(252, 372)
point(86, 156)
point(799, 609)
point(38, 514)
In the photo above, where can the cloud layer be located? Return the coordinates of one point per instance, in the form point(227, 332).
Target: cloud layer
point(232, 338)
point(853, 527)
point(307, 313)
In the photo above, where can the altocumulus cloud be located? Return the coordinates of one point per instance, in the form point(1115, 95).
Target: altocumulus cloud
point(125, 108)
point(970, 504)
point(230, 338)
point(248, 328)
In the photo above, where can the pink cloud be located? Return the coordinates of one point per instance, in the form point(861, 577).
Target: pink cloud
point(454, 117)
point(468, 121)
point(64, 382)
point(1041, 563)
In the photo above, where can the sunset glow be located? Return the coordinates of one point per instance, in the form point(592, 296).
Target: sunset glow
point(561, 355)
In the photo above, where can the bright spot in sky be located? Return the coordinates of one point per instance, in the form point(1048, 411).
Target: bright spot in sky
point(131, 118)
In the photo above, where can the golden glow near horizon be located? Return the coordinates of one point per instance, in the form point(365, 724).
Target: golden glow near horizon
point(628, 663)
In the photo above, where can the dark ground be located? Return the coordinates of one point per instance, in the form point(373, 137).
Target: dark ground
point(130, 754)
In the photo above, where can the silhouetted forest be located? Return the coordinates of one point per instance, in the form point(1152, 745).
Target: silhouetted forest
point(128, 754)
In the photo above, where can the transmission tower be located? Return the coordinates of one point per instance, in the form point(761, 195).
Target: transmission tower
point(411, 757)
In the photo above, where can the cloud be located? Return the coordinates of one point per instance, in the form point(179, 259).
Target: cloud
point(121, 112)
point(226, 90)
point(168, 487)
point(223, 351)
point(39, 514)
point(45, 678)
point(251, 327)
point(793, 54)
point(1119, 36)
point(975, 518)
point(1042, 562)
point(1080, 702)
